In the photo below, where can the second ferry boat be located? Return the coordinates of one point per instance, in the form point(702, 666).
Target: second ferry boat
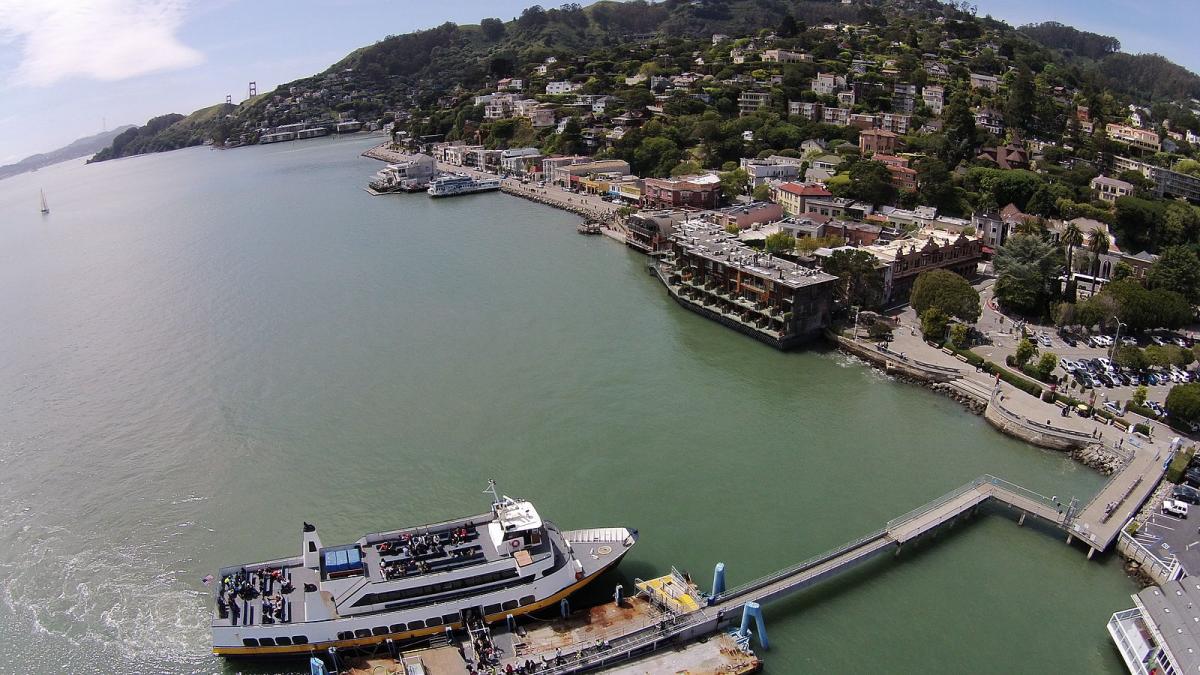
point(460, 184)
point(408, 583)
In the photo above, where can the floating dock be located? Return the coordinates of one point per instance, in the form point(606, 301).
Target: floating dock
point(670, 625)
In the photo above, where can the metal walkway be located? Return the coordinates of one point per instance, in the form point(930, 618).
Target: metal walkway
point(797, 577)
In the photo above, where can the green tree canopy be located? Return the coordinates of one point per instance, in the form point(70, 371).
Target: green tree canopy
point(1027, 267)
point(1183, 403)
point(780, 242)
point(948, 292)
point(859, 281)
point(1177, 269)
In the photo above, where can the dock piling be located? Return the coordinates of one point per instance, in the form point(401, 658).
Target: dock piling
point(754, 610)
point(564, 608)
point(617, 595)
point(718, 586)
point(337, 668)
point(317, 667)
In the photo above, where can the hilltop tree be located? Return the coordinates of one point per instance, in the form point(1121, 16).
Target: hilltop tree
point(493, 29)
point(1020, 104)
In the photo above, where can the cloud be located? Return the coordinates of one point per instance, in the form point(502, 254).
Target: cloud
point(101, 39)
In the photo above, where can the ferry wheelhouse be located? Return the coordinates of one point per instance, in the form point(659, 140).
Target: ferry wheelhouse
point(408, 583)
point(461, 184)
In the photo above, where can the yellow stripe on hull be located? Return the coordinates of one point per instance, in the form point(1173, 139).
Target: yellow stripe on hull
point(285, 650)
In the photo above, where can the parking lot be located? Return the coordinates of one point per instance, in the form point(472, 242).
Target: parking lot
point(1169, 536)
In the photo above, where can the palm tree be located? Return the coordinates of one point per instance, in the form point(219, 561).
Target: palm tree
point(1072, 236)
point(1098, 245)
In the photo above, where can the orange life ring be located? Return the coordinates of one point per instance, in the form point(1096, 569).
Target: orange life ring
point(516, 543)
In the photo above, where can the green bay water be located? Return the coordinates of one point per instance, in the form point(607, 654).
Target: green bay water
point(201, 349)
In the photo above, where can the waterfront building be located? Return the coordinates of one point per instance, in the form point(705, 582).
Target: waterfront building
point(1110, 189)
point(698, 192)
point(904, 260)
point(1161, 634)
point(777, 301)
point(650, 231)
point(744, 216)
point(409, 172)
point(569, 175)
point(549, 164)
point(520, 161)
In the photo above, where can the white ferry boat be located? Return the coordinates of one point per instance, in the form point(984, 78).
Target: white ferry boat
point(408, 583)
point(461, 184)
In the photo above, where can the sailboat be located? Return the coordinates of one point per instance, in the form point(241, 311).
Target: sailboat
point(45, 208)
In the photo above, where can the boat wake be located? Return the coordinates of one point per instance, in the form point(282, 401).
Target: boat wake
point(81, 605)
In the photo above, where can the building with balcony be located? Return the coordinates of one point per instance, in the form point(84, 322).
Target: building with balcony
point(752, 101)
point(1132, 136)
point(1167, 183)
point(934, 97)
point(905, 259)
point(772, 168)
point(828, 84)
point(776, 301)
point(809, 111)
point(1161, 634)
point(1110, 189)
point(744, 216)
point(650, 231)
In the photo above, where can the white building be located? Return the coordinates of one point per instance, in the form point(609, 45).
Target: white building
point(562, 87)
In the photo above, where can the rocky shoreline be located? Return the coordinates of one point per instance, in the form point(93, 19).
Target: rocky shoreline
point(1098, 457)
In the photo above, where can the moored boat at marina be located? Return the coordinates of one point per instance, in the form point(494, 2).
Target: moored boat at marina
point(409, 583)
point(461, 184)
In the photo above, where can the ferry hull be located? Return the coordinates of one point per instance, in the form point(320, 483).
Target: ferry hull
point(293, 650)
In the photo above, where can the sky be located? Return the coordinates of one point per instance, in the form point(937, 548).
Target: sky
point(70, 68)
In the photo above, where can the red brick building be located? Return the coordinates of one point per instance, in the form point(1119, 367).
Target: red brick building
point(697, 192)
point(874, 141)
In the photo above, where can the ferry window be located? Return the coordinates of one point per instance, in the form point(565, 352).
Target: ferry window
point(435, 621)
point(249, 642)
point(526, 600)
point(299, 639)
point(449, 618)
point(266, 642)
point(362, 633)
point(414, 625)
point(397, 628)
point(345, 635)
point(283, 641)
point(510, 604)
point(491, 609)
point(380, 630)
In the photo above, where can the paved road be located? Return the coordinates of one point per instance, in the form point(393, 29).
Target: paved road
point(1167, 535)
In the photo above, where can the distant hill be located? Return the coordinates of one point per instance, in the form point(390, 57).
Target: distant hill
point(166, 132)
point(1140, 76)
point(81, 147)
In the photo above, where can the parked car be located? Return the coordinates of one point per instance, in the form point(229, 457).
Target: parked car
point(1186, 493)
point(1157, 340)
point(1069, 340)
point(1106, 379)
point(1068, 365)
point(1112, 407)
point(1181, 342)
point(1175, 508)
point(1128, 341)
point(1192, 476)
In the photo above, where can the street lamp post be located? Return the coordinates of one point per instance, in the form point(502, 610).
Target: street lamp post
point(1116, 339)
point(856, 309)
